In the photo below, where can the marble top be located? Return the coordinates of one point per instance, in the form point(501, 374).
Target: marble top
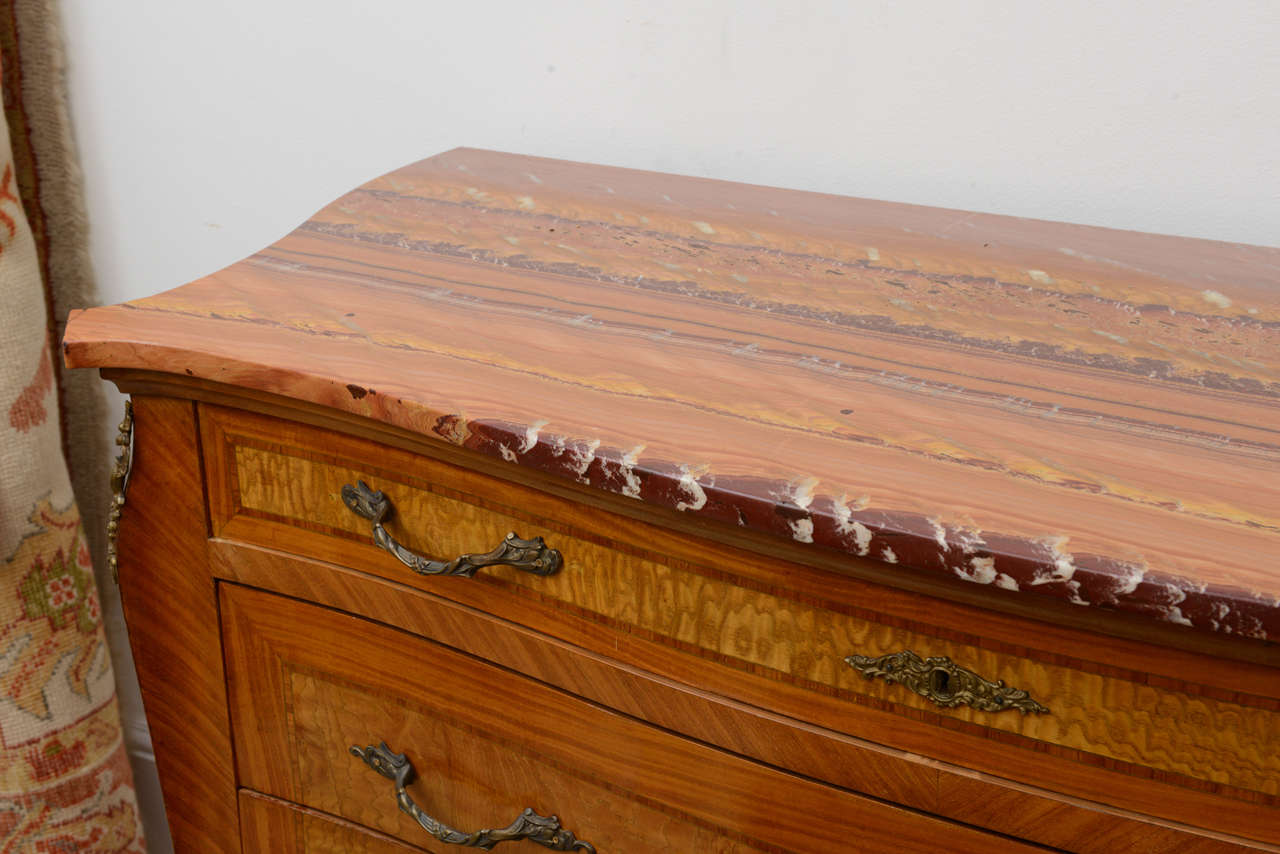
point(1050, 410)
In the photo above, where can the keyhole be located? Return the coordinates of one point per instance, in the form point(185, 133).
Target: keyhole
point(940, 683)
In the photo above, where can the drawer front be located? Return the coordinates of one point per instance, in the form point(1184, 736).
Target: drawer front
point(307, 684)
point(279, 484)
point(269, 826)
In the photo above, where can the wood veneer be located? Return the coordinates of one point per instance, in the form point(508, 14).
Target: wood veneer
point(621, 676)
point(269, 824)
point(490, 743)
point(166, 589)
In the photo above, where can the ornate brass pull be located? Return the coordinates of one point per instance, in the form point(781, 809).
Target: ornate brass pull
point(528, 555)
point(544, 830)
point(944, 683)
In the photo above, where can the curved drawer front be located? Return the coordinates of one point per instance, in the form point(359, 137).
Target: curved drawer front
point(309, 684)
point(747, 619)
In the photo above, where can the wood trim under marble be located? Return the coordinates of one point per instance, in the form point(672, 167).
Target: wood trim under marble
point(628, 680)
point(167, 591)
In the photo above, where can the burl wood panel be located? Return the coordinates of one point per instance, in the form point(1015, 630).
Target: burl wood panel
point(1048, 410)
point(1196, 739)
point(270, 826)
point(167, 592)
point(307, 683)
point(1028, 812)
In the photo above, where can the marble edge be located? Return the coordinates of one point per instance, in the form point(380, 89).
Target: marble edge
point(794, 511)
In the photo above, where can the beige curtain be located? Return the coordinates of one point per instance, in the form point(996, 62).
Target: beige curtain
point(65, 781)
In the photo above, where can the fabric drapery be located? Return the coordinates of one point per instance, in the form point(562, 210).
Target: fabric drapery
point(65, 780)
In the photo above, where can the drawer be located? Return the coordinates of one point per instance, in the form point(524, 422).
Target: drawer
point(1207, 746)
point(895, 776)
point(308, 684)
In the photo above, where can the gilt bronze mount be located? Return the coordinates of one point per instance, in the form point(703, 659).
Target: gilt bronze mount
point(944, 683)
point(119, 481)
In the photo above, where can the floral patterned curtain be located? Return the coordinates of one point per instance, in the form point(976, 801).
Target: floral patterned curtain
point(65, 782)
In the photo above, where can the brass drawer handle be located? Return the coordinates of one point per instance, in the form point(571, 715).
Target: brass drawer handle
point(529, 555)
point(944, 683)
point(544, 830)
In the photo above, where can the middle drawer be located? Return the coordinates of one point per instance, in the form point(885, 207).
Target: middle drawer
point(307, 685)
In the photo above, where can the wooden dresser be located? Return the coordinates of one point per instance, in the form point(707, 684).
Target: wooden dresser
point(512, 502)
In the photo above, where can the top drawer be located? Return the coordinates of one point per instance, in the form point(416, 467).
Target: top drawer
point(1161, 732)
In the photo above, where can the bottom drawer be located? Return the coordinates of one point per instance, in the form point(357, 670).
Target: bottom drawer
point(307, 684)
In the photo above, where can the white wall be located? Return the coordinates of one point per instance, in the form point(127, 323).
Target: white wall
point(207, 130)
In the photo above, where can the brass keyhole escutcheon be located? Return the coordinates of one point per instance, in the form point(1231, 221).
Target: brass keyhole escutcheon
point(944, 683)
point(940, 683)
